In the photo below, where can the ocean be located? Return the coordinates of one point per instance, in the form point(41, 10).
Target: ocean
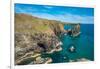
point(84, 46)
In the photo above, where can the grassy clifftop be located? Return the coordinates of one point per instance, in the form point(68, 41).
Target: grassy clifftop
point(28, 24)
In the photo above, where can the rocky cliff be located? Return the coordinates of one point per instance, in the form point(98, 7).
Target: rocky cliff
point(35, 36)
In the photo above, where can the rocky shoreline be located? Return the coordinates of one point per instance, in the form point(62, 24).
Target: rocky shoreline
point(34, 36)
point(34, 45)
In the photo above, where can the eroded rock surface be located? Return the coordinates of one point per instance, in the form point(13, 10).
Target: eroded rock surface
point(34, 35)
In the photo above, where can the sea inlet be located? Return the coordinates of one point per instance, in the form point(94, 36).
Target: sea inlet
point(83, 44)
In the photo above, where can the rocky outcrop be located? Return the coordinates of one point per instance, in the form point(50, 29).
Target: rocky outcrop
point(74, 30)
point(35, 35)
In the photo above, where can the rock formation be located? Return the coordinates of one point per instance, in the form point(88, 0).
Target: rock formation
point(35, 35)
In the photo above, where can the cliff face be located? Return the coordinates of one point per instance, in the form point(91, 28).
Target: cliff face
point(35, 35)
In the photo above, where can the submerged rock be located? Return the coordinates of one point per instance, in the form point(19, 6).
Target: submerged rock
point(72, 49)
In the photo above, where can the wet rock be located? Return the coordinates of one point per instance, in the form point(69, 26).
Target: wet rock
point(72, 48)
point(40, 60)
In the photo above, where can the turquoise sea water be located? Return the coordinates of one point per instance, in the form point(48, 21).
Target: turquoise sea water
point(84, 45)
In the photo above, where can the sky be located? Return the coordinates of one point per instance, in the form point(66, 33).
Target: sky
point(61, 13)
